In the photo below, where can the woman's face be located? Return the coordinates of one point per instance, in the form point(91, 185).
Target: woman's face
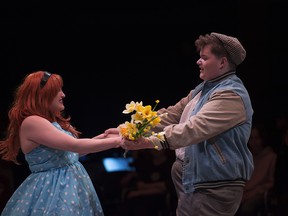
point(57, 103)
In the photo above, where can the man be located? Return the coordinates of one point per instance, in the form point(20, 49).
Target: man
point(209, 130)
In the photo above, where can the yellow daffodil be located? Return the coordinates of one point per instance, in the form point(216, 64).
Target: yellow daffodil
point(143, 119)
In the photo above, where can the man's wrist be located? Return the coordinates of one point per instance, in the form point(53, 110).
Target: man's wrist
point(155, 142)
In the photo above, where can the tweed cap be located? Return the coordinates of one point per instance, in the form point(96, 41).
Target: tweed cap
point(233, 47)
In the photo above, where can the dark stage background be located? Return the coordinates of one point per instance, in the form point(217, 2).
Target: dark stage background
point(111, 53)
point(109, 56)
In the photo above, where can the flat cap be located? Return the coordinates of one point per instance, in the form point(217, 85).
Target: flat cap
point(233, 47)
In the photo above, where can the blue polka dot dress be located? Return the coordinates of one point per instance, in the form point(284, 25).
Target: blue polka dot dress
point(57, 186)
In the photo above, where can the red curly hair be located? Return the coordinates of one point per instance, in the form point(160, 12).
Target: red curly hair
point(31, 99)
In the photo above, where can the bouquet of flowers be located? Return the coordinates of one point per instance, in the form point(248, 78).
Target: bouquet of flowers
point(143, 119)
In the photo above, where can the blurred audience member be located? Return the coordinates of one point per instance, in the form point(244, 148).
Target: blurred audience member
point(149, 190)
point(262, 179)
point(6, 183)
point(281, 177)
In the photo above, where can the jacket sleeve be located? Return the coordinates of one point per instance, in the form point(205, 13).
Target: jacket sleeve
point(224, 110)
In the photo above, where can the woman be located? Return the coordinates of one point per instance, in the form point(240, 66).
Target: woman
point(58, 183)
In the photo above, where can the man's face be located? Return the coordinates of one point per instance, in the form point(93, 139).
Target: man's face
point(210, 65)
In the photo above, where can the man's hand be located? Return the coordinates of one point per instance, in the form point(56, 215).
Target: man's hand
point(140, 143)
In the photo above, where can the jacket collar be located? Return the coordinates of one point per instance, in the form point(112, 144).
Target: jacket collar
point(222, 76)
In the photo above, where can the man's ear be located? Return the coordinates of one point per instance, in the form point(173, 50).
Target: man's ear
point(224, 62)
